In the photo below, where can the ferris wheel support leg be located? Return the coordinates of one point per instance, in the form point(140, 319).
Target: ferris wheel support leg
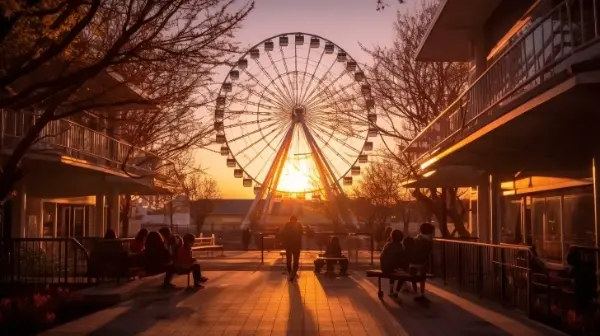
point(340, 191)
point(267, 186)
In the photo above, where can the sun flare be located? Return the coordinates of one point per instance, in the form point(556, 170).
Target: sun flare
point(296, 176)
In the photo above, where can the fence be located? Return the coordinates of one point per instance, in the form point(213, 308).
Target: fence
point(48, 261)
point(510, 275)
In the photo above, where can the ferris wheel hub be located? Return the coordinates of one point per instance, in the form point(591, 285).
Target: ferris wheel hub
point(298, 114)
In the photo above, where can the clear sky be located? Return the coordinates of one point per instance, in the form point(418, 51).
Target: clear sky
point(344, 22)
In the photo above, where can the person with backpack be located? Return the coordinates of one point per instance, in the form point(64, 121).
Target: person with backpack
point(291, 236)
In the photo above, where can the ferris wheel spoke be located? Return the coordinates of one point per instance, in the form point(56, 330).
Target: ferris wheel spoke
point(302, 91)
point(259, 105)
point(255, 131)
point(296, 73)
point(271, 156)
point(340, 141)
point(321, 80)
point(259, 121)
point(304, 73)
point(284, 98)
point(287, 71)
point(326, 143)
point(257, 94)
point(279, 76)
point(318, 95)
point(277, 97)
point(254, 143)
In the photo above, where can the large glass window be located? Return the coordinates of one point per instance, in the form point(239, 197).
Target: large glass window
point(578, 219)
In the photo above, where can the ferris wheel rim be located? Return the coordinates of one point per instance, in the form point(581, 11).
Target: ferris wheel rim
point(227, 78)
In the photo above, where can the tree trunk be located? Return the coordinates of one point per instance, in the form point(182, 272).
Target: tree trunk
point(124, 215)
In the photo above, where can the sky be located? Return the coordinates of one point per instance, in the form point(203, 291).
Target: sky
point(344, 22)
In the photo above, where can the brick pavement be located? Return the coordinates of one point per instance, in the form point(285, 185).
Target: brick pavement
point(264, 303)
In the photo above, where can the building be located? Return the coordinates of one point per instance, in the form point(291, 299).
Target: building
point(524, 135)
point(73, 175)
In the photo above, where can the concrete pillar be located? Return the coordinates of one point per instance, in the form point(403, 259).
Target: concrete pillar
point(473, 212)
point(114, 207)
point(483, 212)
point(19, 212)
point(35, 218)
point(55, 221)
point(99, 220)
point(479, 54)
point(595, 177)
point(496, 211)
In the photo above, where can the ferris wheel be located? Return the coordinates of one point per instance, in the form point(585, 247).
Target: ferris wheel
point(295, 116)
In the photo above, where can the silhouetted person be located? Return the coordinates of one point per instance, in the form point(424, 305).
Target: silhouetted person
point(157, 258)
point(420, 255)
point(246, 235)
point(137, 245)
point(334, 250)
point(110, 234)
point(185, 262)
point(292, 243)
point(392, 257)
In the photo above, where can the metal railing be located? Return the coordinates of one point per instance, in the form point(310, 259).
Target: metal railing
point(65, 137)
point(507, 274)
point(537, 55)
point(45, 261)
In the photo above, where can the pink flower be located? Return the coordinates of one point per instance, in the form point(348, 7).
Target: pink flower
point(49, 318)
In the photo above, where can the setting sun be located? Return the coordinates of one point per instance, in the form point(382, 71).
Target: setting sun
point(296, 176)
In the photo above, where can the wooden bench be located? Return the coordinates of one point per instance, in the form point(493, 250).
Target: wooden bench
point(210, 248)
point(397, 276)
point(324, 260)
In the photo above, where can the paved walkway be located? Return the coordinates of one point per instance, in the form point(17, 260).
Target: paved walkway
point(264, 303)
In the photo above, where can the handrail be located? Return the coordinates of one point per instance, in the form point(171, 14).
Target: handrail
point(502, 245)
point(493, 86)
point(80, 141)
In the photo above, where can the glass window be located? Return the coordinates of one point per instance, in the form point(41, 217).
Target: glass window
point(578, 216)
point(552, 229)
point(511, 226)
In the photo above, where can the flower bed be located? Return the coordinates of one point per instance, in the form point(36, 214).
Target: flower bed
point(31, 314)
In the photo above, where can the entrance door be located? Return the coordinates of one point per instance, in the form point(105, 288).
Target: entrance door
point(78, 222)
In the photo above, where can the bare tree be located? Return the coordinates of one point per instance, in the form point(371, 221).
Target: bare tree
point(410, 95)
point(165, 50)
point(202, 191)
point(378, 194)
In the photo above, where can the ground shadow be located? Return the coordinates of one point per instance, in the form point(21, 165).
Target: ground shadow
point(300, 321)
point(437, 317)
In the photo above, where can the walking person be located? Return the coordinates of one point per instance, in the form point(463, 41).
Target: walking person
point(292, 243)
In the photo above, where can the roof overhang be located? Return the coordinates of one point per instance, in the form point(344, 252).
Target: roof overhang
point(449, 36)
point(448, 177)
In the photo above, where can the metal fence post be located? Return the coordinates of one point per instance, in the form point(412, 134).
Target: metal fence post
point(372, 249)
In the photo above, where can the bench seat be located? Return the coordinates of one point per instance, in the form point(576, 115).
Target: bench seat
point(398, 275)
point(208, 248)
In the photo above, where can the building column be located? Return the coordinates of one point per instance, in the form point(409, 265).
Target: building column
point(495, 209)
point(473, 212)
point(19, 212)
point(35, 218)
point(55, 221)
point(99, 220)
point(114, 207)
point(595, 176)
point(483, 212)
point(479, 54)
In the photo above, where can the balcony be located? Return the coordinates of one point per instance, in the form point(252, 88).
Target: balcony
point(80, 145)
point(536, 60)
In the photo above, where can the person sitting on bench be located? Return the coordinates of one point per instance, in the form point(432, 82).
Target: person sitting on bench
point(184, 262)
point(157, 258)
point(392, 258)
point(333, 250)
point(419, 258)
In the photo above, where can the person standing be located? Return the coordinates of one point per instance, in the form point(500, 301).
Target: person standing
point(292, 243)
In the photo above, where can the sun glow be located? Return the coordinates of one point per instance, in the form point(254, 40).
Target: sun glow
point(296, 176)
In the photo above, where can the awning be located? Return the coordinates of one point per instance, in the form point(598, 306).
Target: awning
point(447, 177)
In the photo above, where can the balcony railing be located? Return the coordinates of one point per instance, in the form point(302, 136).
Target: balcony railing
point(537, 55)
point(65, 137)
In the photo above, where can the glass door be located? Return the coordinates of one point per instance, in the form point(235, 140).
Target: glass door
point(65, 221)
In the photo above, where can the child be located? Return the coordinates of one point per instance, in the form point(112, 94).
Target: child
point(419, 258)
point(185, 262)
point(392, 256)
